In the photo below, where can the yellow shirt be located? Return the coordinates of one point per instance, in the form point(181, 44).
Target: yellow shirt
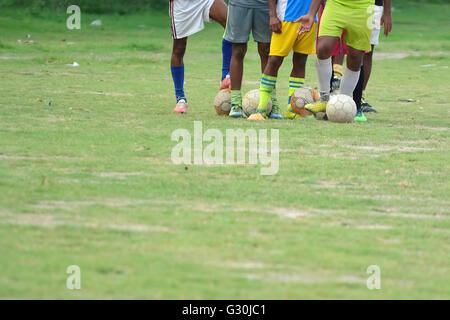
point(357, 4)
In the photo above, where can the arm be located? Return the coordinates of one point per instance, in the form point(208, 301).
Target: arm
point(315, 4)
point(386, 19)
point(275, 23)
point(308, 20)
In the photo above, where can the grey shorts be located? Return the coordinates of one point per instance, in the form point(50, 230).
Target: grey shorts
point(241, 21)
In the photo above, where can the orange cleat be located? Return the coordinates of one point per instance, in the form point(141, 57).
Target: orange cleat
point(181, 107)
point(226, 83)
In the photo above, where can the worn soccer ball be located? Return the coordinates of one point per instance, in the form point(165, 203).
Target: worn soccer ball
point(250, 103)
point(222, 102)
point(341, 108)
point(301, 97)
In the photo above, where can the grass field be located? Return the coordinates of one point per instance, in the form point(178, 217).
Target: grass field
point(87, 180)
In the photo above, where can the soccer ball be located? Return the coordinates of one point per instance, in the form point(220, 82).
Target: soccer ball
point(341, 108)
point(300, 98)
point(222, 102)
point(250, 103)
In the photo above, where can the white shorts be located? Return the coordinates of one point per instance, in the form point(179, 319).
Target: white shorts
point(188, 17)
point(376, 26)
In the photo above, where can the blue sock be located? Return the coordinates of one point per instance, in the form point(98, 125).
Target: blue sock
point(178, 81)
point(226, 56)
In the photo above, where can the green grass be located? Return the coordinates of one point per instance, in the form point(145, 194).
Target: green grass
point(89, 180)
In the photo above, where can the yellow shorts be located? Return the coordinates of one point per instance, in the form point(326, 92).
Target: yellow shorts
point(357, 21)
point(282, 43)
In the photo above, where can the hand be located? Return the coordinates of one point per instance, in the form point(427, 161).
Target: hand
point(275, 24)
point(386, 22)
point(307, 22)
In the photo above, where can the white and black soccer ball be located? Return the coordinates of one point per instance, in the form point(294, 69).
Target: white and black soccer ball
point(222, 102)
point(341, 108)
point(250, 103)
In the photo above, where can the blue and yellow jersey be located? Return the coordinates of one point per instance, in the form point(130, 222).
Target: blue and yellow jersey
point(291, 10)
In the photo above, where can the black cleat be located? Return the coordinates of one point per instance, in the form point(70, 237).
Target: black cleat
point(335, 83)
point(321, 116)
point(365, 107)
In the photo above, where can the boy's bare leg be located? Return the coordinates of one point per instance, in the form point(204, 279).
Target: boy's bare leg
point(237, 65)
point(263, 50)
point(177, 69)
point(367, 63)
point(299, 65)
point(178, 51)
point(218, 12)
point(273, 65)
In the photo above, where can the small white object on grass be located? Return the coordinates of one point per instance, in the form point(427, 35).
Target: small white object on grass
point(75, 64)
point(428, 65)
point(96, 23)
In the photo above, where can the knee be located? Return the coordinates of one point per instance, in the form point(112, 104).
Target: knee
point(354, 63)
point(222, 20)
point(324, 50)
point(264, 50)
point(275, 62)
point(179, 49)
point(299, 59)
point(239, 51)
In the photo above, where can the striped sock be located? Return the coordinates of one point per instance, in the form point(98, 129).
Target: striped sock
point(236, 98)
point(267, 86)
point(294, 84)
point(273, 97)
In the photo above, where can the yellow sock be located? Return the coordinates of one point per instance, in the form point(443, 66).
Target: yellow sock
point(338, 70)
point(266, 88)
point(294, 84)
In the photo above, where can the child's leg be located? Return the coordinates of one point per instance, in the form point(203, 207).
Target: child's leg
point(296, 80)
point(324, 68)
point(237, 65)
point(351, 74)
point(367, 67)
point(227, 49)
point(269, 80)
point(263, 51)
point(357, 93)
point(236, 73)
point(239, 25)
point(177, 67)
point(218, 12)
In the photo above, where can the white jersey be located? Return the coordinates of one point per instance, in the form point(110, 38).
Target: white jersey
point(188, 17)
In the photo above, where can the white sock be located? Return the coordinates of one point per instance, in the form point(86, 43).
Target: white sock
point(349, 82)
point(324, 71)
